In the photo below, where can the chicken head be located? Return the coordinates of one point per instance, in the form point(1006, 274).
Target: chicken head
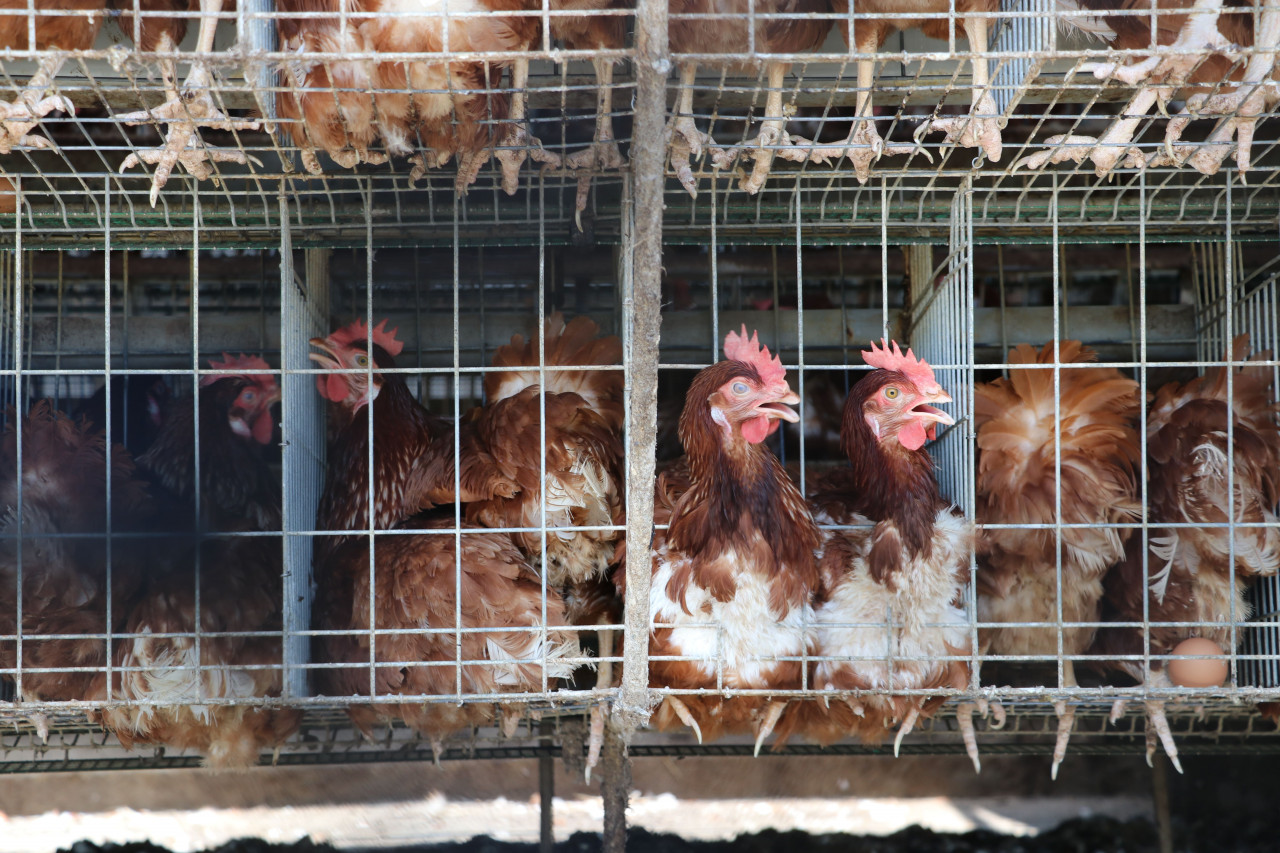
point(900, 405)
point(348, 349)
point(249, 412)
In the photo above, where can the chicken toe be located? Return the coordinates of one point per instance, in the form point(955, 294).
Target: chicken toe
point(682, 711)
point(514, 149)
point(979, 129)
point(964, 719)
point(19, 117)
point(595, 740)
point(182, 116)
point(772, 714)
point(1159, 724)
point(1066, 722)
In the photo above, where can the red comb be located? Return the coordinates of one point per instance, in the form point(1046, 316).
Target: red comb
point(738, 348)
point(239, 365)
point(915, 369)
point(359, 331)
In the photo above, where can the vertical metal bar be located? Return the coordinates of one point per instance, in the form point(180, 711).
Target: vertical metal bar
point(546, 791)
point(258, 36)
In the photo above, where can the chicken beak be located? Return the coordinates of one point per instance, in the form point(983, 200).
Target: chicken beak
point(780, 407)
point(329, 358)
point(926, 409)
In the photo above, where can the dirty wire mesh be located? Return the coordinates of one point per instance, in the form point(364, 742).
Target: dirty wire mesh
point(369, 166)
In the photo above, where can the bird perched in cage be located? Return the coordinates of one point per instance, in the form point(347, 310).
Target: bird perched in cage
point(475, 580)
point(568, 467)
point(729, 28)
point(981, 128)
point(1056, 445)
point(435, 110)
point(203, 651)
point(734, 571)
point(1213, 464)
point(888, 614)
point(138, 404)
point(1200, 59)
point(413, 459)
point(58, 503)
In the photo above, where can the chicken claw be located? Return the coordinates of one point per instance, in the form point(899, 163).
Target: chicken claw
point(595, 739)
point(185, 115)
point(601, 156)
point(863, 147)
point(687, 145)
point(1158, 725)
point(905, 729)
point(682, 711)
point(516, 147)
point(979, 129)
point(1239, 111)
point(964, 719)
point(1066, 722)
point(18, 118)
point(1076, 149)
point(771, 716)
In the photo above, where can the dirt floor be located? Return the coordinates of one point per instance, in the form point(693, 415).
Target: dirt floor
point(703, 799)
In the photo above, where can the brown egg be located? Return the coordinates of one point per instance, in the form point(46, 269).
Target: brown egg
point(1198, 673)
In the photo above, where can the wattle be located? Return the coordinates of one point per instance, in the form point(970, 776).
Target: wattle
point(262, 427)
point(332, 387)
point(912, 436)
point(757, 429)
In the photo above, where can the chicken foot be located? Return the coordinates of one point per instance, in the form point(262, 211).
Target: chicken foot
point(981, 127)
point(863, 146)
point(772, 714)
point(516, 145)
point(773, 139)
point(600, 711)
point(1066, 719)
point(603, 153)
point(1157, 722)
point(685, 715)
point(1239, 109)
point(21, 115)
point(687, 142)
point(185, 112)
point(964, 720)
point(1162, 75)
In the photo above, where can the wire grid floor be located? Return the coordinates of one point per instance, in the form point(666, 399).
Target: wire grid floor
point(68, 742)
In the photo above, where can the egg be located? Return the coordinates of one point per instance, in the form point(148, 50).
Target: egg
point(1198, 673)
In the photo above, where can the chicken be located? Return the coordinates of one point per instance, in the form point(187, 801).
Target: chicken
point(1198, 60)
point(734, 571)
point(413, 449)
point(190, 684)
point(435, 111)
point(1074, 460)
point(979, 129)
point(56, 33)
point(577, 454)
point(184, 110)
point(889, 615)
point(1210, 462)
point(138, 404)
point(715, 33)
point(437, 581)
point(66, 579)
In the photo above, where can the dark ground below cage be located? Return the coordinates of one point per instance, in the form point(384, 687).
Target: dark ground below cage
point(1222, 803)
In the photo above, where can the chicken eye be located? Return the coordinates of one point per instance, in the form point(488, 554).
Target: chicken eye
point(740, 388)
point(891, 393)
point(362, 360)
point(249, 396)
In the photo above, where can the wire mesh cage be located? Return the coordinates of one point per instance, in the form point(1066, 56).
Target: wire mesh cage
point(375, 201)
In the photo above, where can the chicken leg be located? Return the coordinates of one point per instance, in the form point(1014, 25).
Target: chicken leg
point(517, 145)
point(981, 127)
point(1240, 109)
point(24, 113)
point(687, 141)
point(1166, 72)
point(185, 112)
point(603, 152)
point(773, 133)
point(863, 146)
